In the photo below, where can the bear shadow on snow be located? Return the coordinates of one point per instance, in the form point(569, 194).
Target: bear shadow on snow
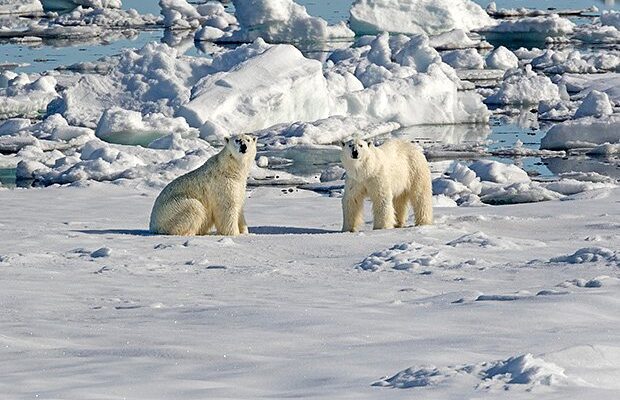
point(288, 230)
point(256, 230)
point(134, 232)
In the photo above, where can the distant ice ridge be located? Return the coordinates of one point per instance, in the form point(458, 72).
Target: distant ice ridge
point(91, 18)
point(551, 25)
point(18, 7)
point(431, 17)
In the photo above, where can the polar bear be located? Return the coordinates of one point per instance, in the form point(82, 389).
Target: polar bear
point(392, 176)
point(212, 195)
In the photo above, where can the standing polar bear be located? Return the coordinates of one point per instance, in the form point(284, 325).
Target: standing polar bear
point(392, 175)
point(212, 195)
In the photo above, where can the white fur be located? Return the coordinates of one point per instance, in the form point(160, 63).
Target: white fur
point(393, 176)
point(212, 195)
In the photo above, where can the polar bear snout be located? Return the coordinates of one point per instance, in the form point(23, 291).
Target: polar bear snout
point(243, 148)
point(354, 153)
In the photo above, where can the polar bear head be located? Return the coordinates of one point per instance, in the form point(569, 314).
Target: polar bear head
point(356, 151)
point(242, 146)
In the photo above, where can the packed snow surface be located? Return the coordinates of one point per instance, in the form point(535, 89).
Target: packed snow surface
point(103, 299)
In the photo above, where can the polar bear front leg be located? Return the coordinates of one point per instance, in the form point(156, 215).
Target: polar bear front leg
point(382, 209)
point(352, 207)
point(243, 227)
point(401, 206)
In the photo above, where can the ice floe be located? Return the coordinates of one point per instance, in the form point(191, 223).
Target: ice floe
point(431, 17)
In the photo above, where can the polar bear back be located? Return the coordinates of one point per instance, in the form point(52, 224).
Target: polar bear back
point(402, 163)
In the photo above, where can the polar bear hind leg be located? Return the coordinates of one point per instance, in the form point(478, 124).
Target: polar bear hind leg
point(422, 203)
point(182, 217)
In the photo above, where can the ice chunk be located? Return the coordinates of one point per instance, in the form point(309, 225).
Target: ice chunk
point(131, 127)
point(416, 16)
point(523, 86)
point(276, 86)
point(282, 21)
point(455, 39)
point(595, 104)
point(463, 59)
point(585, 132)
point(502, 58)
point(494, 171)
point(22, 97)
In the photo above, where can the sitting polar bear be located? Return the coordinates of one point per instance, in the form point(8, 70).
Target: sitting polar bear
point(392, 176)
point(212, 195)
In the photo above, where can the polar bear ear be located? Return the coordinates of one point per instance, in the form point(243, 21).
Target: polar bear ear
point(227, 139)
point(254, 138)
point(370, 143)
point(343, 143)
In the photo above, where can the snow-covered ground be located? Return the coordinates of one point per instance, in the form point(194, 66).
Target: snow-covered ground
point(95, 307)
point(512, 293)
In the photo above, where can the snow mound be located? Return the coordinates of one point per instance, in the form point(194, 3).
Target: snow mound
point(523, 86)
point(481, 239)
point(587, 132)
point(588, 254)
point(282, 21)
point(523, 371)
point(431, 17)
point(404, 256)
point(409, 256)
